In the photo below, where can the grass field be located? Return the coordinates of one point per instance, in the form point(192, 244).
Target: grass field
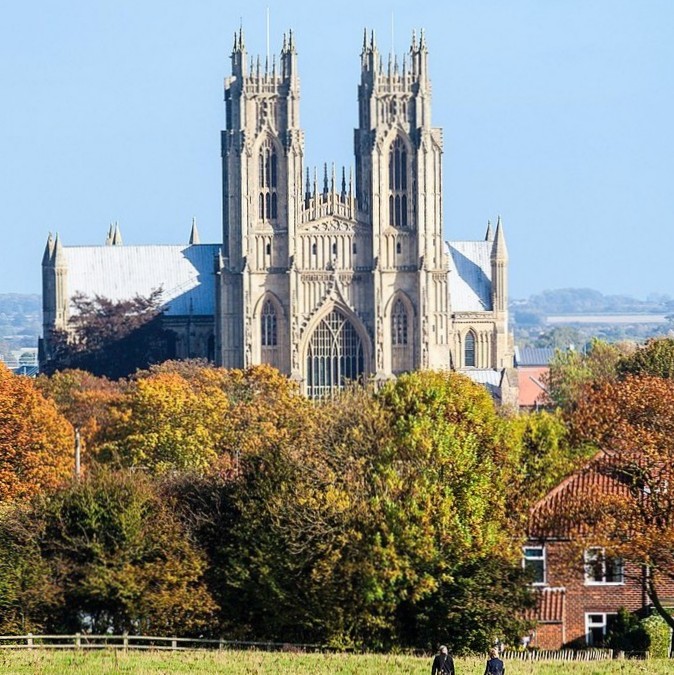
point(266, 663)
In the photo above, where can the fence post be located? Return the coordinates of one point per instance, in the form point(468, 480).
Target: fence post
point(29, 640)
point(125, 641)
point(221, 644)
point(78, 640)
point(174, 643)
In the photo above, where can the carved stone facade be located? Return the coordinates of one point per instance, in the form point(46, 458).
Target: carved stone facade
point(352, 272)
point(336, 276)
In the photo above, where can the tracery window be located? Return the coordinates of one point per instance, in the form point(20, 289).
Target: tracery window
point(397, 179)
point(469, 350)
point(334, 356)
point(268, 325)
point(399, 324)
point(267, 179)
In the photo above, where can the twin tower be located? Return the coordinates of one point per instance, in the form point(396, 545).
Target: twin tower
point(331, 277)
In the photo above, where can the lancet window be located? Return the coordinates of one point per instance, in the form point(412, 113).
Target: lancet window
point(469, 350)
point(397, 178)
point(399, 324)
point(268, 325)
point(268, 182)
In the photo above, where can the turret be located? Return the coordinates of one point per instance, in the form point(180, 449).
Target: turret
point(499, 269)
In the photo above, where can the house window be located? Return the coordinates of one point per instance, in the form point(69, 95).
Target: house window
point(602, 569)
point(534, 562)
point(469, 350)
point(268, 325)
point(597, 626)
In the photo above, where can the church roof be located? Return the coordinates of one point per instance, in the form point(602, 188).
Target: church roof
point(184, 273)
point(470, 286)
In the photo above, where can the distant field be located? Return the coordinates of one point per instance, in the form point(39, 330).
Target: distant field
point(606, 318)
point(265, 663)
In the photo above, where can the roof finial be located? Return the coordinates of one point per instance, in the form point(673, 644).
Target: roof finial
point(194, 233)
point(414, 40)
point(489, 236)
point(325, 178)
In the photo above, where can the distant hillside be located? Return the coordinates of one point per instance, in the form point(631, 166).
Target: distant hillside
point(530, 317)
point(20, 321)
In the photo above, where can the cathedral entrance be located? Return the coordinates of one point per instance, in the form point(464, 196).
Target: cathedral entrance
point(334, 356)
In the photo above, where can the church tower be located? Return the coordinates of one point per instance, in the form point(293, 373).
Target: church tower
point(399, 194)
point(262, 148)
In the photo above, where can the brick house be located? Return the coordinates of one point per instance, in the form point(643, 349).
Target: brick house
point(579, 591)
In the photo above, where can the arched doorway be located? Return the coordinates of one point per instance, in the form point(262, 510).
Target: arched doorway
point(334, 355)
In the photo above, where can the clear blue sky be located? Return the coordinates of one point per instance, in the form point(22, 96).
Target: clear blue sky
point(557, 114)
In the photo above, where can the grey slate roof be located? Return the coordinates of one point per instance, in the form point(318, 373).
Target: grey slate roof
point(470, 282)
point(533, 356)
point(184, 273)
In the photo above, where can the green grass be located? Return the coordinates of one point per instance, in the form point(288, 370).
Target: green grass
point(264, 663)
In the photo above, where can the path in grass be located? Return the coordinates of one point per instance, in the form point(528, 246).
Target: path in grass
point(263, 663)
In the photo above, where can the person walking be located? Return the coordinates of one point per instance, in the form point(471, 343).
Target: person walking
point(494, 664)
point(443, 663)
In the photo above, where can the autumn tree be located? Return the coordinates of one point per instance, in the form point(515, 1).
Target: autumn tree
point(632, 423)
point(36, 442)
point(372, 520)
point(571, 370)
point(86, 401)
point(655, 358)
point(105, 554)
point(112, 338)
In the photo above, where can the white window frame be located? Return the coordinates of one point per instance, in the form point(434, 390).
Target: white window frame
point(542, 557)
point(603, 625)
point(589, 580)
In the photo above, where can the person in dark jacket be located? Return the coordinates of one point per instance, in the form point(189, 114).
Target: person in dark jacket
point(494, 664)
point(443, 663)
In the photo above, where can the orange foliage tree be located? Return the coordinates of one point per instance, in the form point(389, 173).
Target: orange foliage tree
point(85, 400)
point(632, 423)
point(36, 442)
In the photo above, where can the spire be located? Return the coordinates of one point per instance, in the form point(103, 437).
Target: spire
point(194, 233)
point(364, 40)
point(325, 178)
point(489, 235)
point(307, 191)
point(58, 257)
point(422, 41)
point(116, 236)
point(499, 252)
point(373, 42)
point(108, 239)
point(48, 250)
point(343, 182)
point(414, 41)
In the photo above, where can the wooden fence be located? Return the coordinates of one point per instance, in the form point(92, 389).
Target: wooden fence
point(140, 642)
point(149, 642)
point(558, 655)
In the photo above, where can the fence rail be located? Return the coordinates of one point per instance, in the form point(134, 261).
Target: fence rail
point(559, 655)
point(141, 642)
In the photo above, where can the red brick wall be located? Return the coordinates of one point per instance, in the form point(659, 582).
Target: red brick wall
point(565, 568)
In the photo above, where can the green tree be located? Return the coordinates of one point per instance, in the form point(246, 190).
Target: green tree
point(571, 370)
point(107, 553)
point(655, 358)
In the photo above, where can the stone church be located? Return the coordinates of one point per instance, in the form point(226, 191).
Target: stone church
point(329, 276)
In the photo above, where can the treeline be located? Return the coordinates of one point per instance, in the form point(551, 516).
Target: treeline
point(224, 503)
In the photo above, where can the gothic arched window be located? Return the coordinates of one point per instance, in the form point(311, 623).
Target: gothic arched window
point(334, 356)
point(469, 350)
point(397, 179)
point(399, 324)
point(268, 179)
point(268, 325)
